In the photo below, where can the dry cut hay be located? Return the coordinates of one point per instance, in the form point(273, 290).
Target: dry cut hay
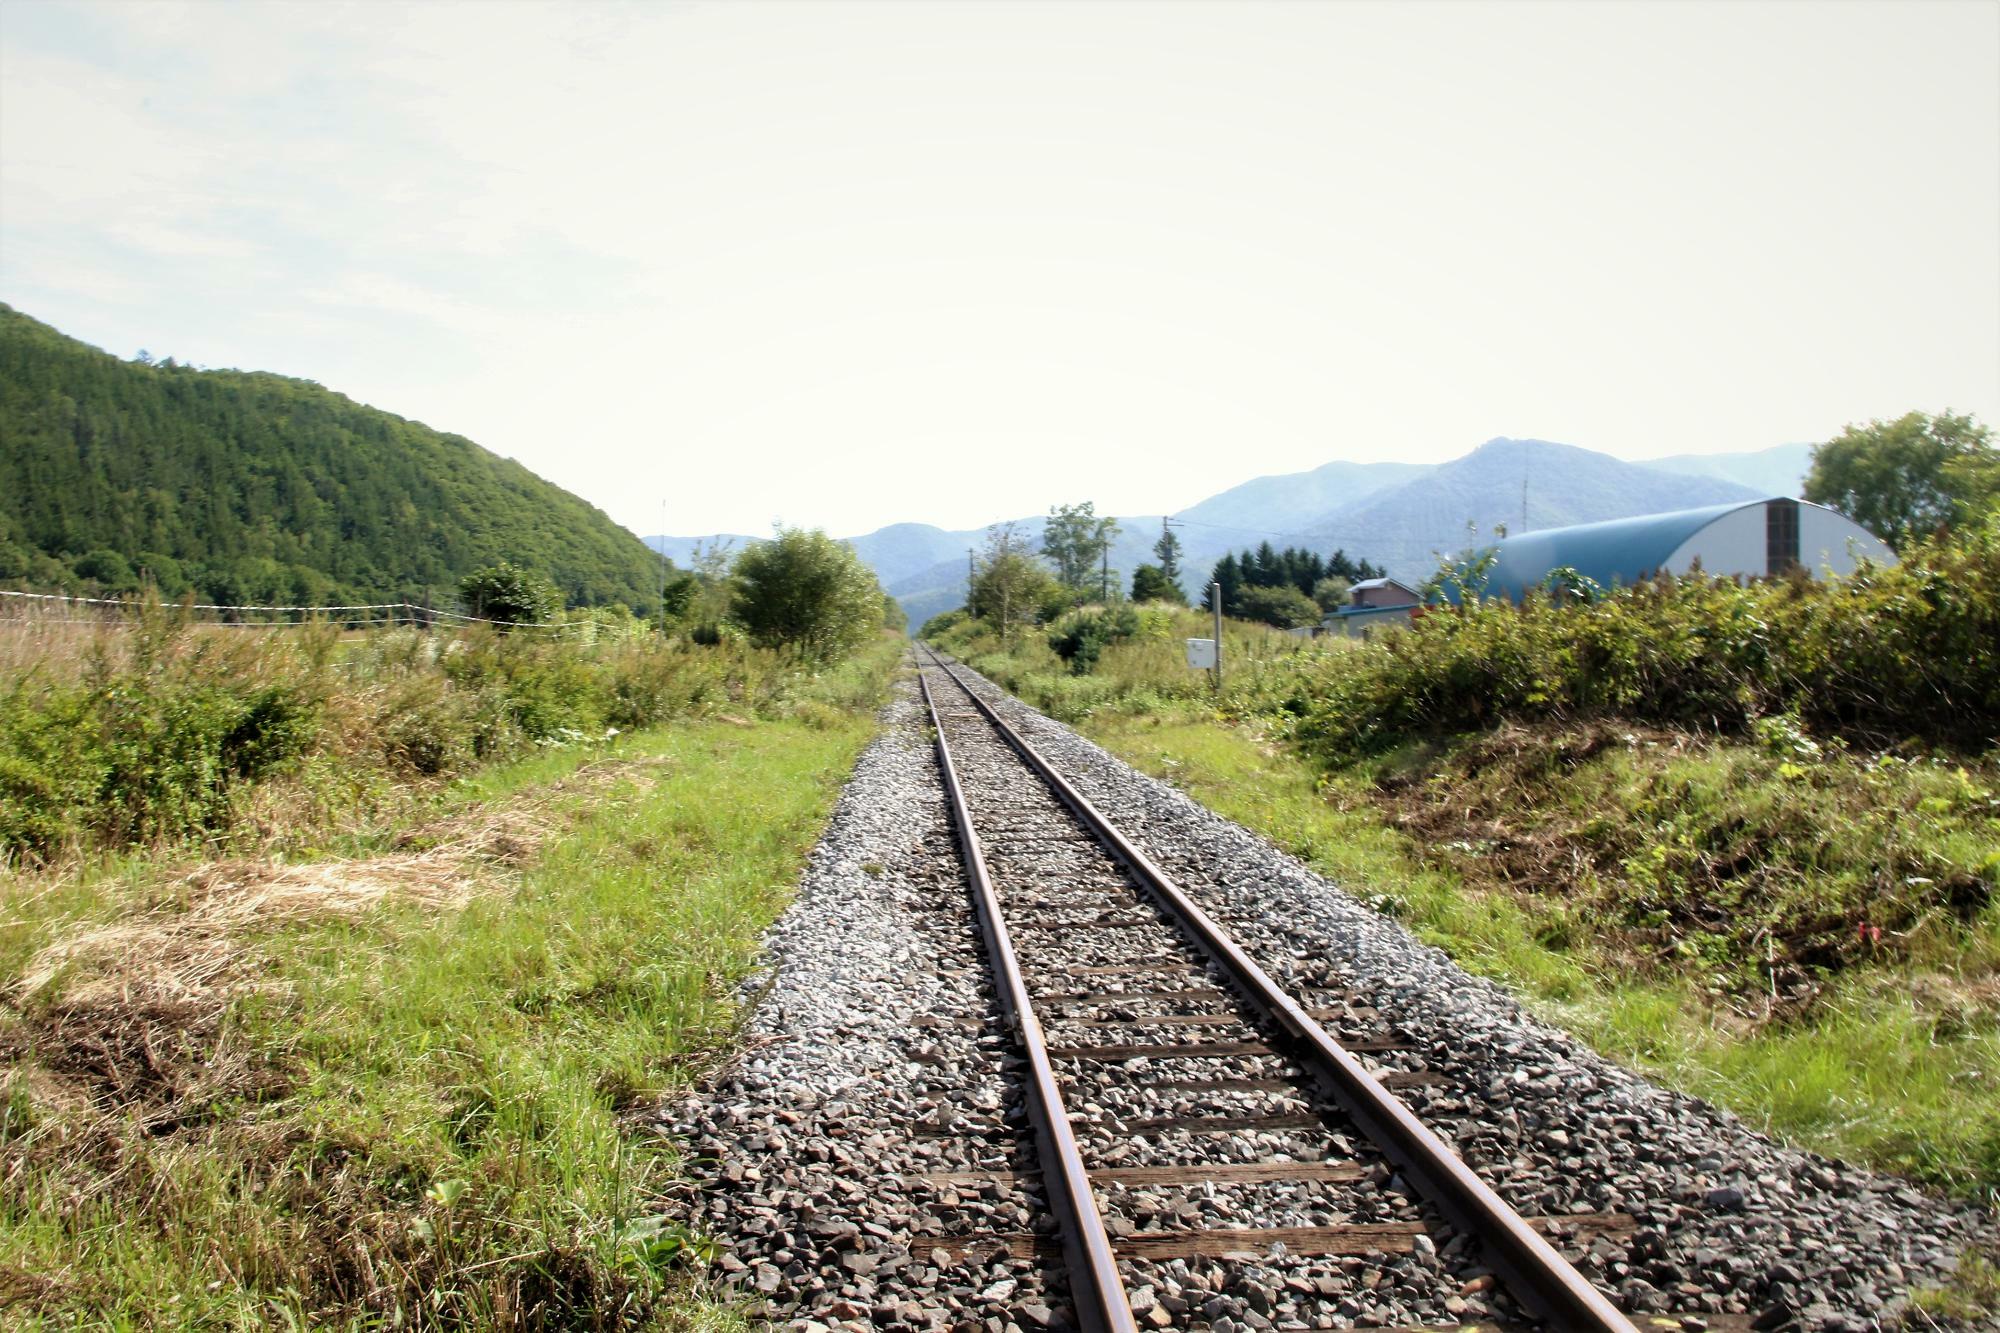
point(190, 947)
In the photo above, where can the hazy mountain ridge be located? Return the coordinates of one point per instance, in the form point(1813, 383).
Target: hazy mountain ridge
point(1521, 485)
point(1779, 470)
point(1298, 499)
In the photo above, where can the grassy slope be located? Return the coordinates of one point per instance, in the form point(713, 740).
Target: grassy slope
point(1889, 1071)
point(1893, 1061)
point(427, 1116)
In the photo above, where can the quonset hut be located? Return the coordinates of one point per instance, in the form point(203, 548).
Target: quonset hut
point(1746, 538)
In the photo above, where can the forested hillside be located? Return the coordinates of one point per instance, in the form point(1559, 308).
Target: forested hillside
point(248, 487)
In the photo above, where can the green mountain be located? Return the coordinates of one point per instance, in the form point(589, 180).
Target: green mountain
point(254, 488)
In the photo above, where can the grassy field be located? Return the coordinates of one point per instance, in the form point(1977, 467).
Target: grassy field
point(400, 1081)
point(1799, 930)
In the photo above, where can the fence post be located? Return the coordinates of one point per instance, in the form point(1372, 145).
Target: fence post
point(1215, 605)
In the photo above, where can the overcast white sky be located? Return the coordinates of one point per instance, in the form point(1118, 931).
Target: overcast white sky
point(848, 264)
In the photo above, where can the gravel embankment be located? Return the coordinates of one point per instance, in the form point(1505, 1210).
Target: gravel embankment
point(873, 1064)
point(871, 1061)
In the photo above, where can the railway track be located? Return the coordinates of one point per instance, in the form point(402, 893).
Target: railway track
point(1173, 1088)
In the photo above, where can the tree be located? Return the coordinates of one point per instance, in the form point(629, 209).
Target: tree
point(1283, 606)
point(1080, 637)
point(1150, 583)
point(1168, 551)
point(1009, 585)
point(714, 590)
point(807, 593)
point(1229, 574)
point(1906, 478)
point(1974, 481)
point(274, 486)
point(509, 594)
point(679, 595)
point(1331, 592)
point(108, 569)
point(1264, 569)
point(1075, 539)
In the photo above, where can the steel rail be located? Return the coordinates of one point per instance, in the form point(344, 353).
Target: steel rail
point(1538, 1276)
point(1094, 1283)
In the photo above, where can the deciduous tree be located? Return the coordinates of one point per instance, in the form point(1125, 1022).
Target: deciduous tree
point(804, 591)
point(1904, 479)
point(1009, 585)
point(1331, 592)
point(1075, 540)
point(1283, 606)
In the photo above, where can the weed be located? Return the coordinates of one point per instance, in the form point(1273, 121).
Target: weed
point(161, 731)
point(1973, 1293)
point(361, 1101)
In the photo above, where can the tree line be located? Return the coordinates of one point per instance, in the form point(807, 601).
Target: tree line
point(1014, 583)
point(1288, 588)
point(801, 592)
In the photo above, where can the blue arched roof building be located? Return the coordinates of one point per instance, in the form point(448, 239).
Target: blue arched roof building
point(1746, 538)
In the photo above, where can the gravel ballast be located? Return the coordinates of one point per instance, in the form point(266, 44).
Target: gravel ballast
point(874, 1068)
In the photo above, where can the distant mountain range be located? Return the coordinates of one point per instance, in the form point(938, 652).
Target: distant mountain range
point(1780, 470)
point(1400, 515)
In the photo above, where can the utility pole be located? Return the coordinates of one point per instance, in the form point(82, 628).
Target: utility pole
point(1215, 605)
point(971, 576)
point(663, 564)
point(1104, 579)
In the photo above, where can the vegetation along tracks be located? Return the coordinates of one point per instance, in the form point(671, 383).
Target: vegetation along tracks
point(1184, 1065)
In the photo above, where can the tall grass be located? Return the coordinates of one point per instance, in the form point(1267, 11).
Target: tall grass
point(1140, 670)
point(1895, 1061)
point(156, 729)
point(419, 1119)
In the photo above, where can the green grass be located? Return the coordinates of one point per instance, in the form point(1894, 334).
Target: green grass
point(1895, 1065)
point(422, 1116)
point(1330, 823)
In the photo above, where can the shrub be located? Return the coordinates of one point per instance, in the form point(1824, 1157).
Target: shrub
point(1890, 654)
point(160, 731)
point(1080, 637)
point(510, 595)
point(1284, 607)
point(427, 730)
point(108, 569)
point(942, 622)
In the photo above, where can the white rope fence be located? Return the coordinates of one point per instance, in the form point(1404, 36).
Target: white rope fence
point(411, 613)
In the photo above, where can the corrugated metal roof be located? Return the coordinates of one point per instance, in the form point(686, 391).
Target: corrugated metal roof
point(1615, 552)
point(1349, 612)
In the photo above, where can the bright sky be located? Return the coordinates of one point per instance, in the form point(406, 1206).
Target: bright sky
point(848, 264)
